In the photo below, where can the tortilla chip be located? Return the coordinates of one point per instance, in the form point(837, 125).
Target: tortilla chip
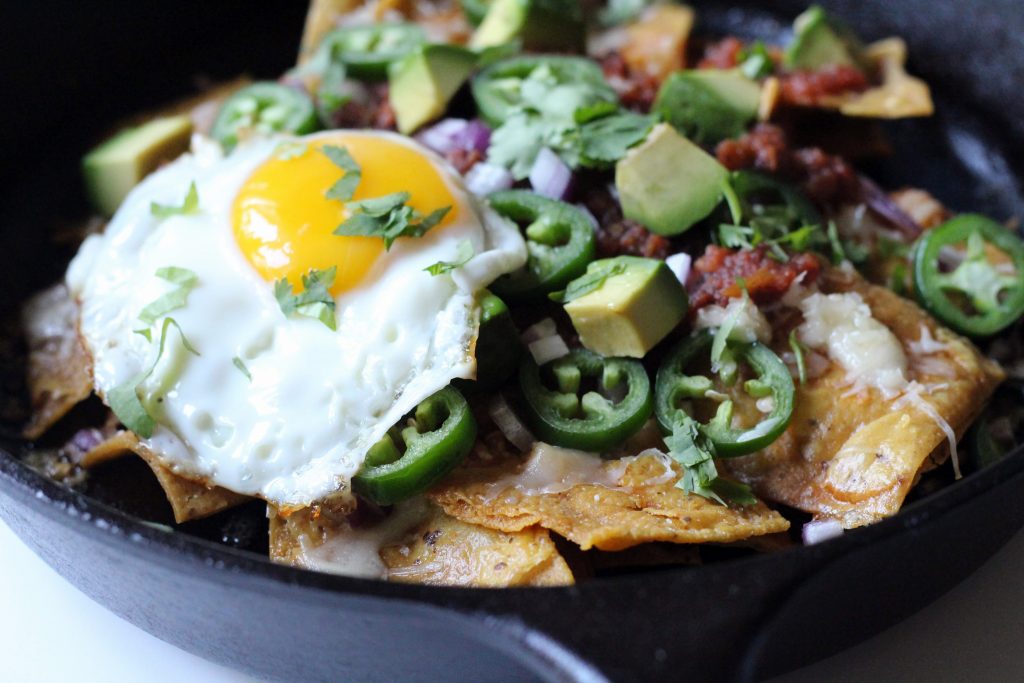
point(645, 507)
point(189, 499)
point(59, 370)
point(427, 547)
point(899, 96)
point(853, 457)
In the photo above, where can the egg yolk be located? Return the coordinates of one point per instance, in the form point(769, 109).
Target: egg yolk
point(284, 223)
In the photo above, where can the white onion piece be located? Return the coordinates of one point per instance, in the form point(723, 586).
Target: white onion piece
point(548, 349)
point(821, 530)
point(544, 328)
point(484, 178)
point(509, 423)
point(680, 265)
point(550, 176)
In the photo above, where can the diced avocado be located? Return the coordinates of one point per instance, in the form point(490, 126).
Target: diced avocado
point(635, 307)
point(667, 183)
point(117, 165)
point(423, 82)
point(818, 41)
point(538, 24)
point(708, 105)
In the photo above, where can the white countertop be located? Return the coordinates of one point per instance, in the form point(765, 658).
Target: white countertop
point(975, 633)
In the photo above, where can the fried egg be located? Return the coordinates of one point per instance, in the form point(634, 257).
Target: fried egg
point(282, 406)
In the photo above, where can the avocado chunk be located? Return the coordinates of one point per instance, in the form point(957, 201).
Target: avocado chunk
point(667, 183)
point(819, 41)
point(538, 24)
point(117, 165)
point(636, 303)
point(708, 105)
point(423, 82)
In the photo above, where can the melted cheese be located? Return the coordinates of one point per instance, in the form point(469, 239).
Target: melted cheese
point(751, 325)
point(842, 326)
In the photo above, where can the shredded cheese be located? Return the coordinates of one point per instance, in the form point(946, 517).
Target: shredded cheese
point(751, 325)
point(912, 396)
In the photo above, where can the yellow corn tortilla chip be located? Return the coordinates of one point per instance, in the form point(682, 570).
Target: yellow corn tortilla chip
point(429, 548)
point(644, 508)
point(59, 370)
point(853, 457)
point(189, 499)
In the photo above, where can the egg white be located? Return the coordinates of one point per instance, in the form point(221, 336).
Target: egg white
point(317, 399)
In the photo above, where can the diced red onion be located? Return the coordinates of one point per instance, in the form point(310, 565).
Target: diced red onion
point(454, 134)
point(484, 178)
point(509, 423)
point(548, 349)
point(87, 439)
point(821, 530)
point(885, 208)
point(680, 265)
point(550, 176)
point(545, 328)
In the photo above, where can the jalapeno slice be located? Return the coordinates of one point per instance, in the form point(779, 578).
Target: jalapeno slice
point(443, 433)
point(498, 348)
point(366, 51)
point(593, 421)
point(265, 107)
point(673, 386)
point(497, 89)
point(559, 239)
point(475, 10)
point(988, 300)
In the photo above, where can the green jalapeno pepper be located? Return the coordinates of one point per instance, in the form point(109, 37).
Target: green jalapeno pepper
point(265, 107)
point(497, 89)
point(673, 385)
point(366, 51)
point(475, 10)
point(498, 348)
point(443, 434)
point(560, 241)
point(985, 300)
point(591, 422)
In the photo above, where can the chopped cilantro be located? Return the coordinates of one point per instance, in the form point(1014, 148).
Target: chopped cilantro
point(291, 149)
point(464, 251)
point(798, 353)
point(345, 188)
point(189, 206)
point(174, 299)
point(314, 302)
point(124, 398)
point(591, 281)
point(240, 364)
point(605, 140)
point(695, 452)
point(844, 250)
point(389, 217)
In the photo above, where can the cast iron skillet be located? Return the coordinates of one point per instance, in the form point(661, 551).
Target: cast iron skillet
point(72, 69)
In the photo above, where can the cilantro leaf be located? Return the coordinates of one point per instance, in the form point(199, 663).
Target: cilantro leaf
point(174, 299)
point(605, 140)
point(345, 188)
point(695, 452)
point(591, 281)
point(464, 252)
point(314, 302)
point(798, 353)
point(124, 398)
point(389, 217)
point(240, 364)
point(190, 205)
point(755, 61)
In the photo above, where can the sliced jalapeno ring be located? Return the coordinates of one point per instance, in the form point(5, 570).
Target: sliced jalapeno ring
point(366, 51)
point(990, 300)
point(265, 107)
point(591, 422)
point(673, 386)
point(560, 241)
point(443, 434)
point(498, 348)
point(475, 10)
point(497, 89)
